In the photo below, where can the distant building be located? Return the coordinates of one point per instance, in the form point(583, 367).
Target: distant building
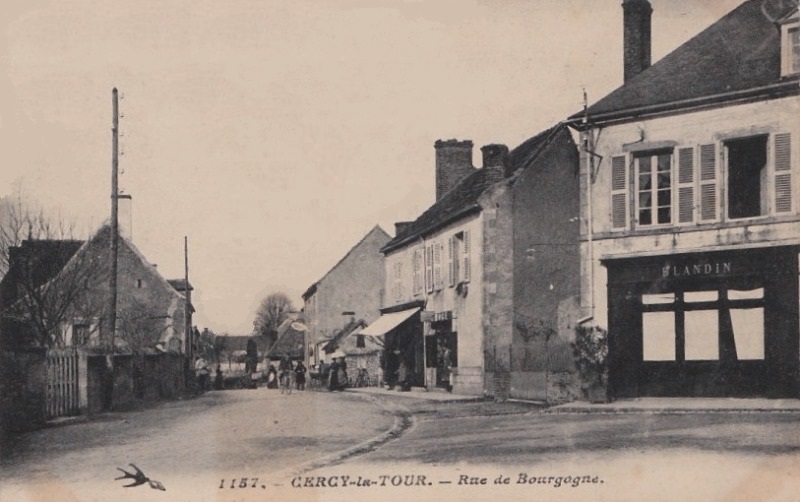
point(492, 261)
point(691, 226)
point(352, 288)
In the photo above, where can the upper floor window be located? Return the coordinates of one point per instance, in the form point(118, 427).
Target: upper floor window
point(653, 188)
point(790, 44)
point(737, 178)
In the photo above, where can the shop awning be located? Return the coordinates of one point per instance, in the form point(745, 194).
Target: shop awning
point(388, 322)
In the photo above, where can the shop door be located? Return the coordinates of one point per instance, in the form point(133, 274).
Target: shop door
point(441, 347)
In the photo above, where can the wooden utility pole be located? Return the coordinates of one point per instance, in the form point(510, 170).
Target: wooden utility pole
point(186, 312)
point(114, 217)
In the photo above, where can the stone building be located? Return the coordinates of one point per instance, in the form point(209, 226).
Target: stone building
point(352, 288)
point(486, 269)
point(691, 231)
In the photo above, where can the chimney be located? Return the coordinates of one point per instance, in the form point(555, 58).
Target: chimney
point(125, 215)
point(401, 226)
point(453, 164)
point(496, 155)
point(636, 35)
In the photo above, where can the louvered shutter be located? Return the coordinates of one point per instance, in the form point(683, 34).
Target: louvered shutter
point(783, 173)
point(619, 193)
point(686, 185)
point(451, 262)
point(429, 268)
point(466, 272)
point(709, 208)
point(437, 266)
point(416, 271)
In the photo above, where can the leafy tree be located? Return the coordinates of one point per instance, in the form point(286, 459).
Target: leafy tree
point(274, 309)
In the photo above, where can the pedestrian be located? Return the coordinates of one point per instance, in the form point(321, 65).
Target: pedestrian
point(201, 372)
point(342, 373)
point(447, 368)
point(219, 383)
point(402, 376)
point(333, 375)
point(272, 377)
point(300, 376)
point(285, 370)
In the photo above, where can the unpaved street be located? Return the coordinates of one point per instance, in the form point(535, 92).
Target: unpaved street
point(190, 446)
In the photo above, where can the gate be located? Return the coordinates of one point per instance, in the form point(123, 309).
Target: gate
point(62, 383)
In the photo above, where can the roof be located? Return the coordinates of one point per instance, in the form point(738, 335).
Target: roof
point(239, 342)
point(462, 200)
point(741, 52)
point(336, 341)
point(46, 259)
point(290, 341)
point(180, 284)
point(313, 288)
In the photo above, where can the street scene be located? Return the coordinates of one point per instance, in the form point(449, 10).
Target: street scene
point(395, 250)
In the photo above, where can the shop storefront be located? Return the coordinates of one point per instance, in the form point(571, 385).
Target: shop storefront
point(403, 354)
point(441, 348)
point(705, 324)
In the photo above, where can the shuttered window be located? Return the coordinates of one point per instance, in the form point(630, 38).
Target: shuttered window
point(619, 193)
point(686, 200)
point(783, 173)
point(437, 266)
point(451, 261)
point(466, 257)
point(429, 268)
point(708, 183)
point(417, 270)
point(653, 188)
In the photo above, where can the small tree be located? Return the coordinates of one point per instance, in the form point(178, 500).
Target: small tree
point(274, 309)
point(591, 357)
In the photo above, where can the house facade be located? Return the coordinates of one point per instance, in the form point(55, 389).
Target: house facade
point(494, 255)
point(352, 288)
point(72, 299)
point(689, 206)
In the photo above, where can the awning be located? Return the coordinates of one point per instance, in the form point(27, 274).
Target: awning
point(388, 322)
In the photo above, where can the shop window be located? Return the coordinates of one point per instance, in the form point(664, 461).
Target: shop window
point(701, 331)
point(658, 336)
point(700, 296)
point(658, 298)
point(747, 177)
point(653, 188)
point(748, 333)
point(750, 294)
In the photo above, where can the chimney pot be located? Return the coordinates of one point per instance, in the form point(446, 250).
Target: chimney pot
point(636, 36)
point(401, 226)
point(495, 155)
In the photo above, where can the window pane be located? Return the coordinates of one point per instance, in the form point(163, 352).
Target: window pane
point(664, 215)
point(664, 198)
point(748, 332)
point(645, 166)
point(700, 296)
point(658, 298)
point(645, 181)
point(752, 294)
point(664, 180)
point(658, 336)
point(645, 217)
point(645, 200)
point(702, 335)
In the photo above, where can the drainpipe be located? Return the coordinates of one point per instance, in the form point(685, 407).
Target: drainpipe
point(590, 216)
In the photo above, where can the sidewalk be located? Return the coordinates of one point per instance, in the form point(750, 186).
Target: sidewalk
point(657, 405)
point(415, 393)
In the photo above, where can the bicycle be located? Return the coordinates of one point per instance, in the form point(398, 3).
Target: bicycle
point(286, 381)
point(362, 379)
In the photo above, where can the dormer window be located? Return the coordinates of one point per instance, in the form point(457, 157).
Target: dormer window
point(790, 45)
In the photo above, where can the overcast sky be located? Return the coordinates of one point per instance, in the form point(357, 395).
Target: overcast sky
point(275, 134)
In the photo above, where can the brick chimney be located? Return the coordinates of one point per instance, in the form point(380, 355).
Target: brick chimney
point(496, 155)
point(453, 164)
point(636, 36)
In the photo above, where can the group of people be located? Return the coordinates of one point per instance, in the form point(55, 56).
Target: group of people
point(334, 375)
point(287, 372)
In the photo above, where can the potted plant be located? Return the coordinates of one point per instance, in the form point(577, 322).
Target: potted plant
point(591, 357)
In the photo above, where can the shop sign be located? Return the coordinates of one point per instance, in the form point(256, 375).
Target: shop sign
point(443, 316)
point(696, 269)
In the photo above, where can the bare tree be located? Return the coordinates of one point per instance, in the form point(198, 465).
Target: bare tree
point(138, 327)
point(274, 309)
point(46, 279)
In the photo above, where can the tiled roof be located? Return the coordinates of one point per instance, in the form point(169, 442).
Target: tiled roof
point(738, 53)
point(463, 198)
point(43, 258)
point(341, 334)
point(180, 285)
point(290, 341)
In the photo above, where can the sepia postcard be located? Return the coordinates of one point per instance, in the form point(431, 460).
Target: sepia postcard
point(395, 250)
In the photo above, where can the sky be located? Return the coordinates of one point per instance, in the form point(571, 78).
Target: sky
point(275, 134)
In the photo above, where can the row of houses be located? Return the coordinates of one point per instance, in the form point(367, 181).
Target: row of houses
point(665, 213)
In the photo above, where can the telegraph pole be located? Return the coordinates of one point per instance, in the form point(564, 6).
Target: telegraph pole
point(114, 215)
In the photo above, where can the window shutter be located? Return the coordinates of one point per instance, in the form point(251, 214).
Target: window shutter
point(437, 266)
point(686, 185)
point(429, 268)
point(466, 272)
point(619, 193)
point(415, 267)
point(451, 262)
point(708, 183)
point(783, 173)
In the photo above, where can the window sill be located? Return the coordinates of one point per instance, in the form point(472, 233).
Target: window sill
point(695, 227)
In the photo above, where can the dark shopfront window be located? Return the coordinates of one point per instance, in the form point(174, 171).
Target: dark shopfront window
point(724, 323)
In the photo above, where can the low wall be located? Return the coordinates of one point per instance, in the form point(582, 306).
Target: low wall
point(23, 391)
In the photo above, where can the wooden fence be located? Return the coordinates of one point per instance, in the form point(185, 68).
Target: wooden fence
point(62, 383)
